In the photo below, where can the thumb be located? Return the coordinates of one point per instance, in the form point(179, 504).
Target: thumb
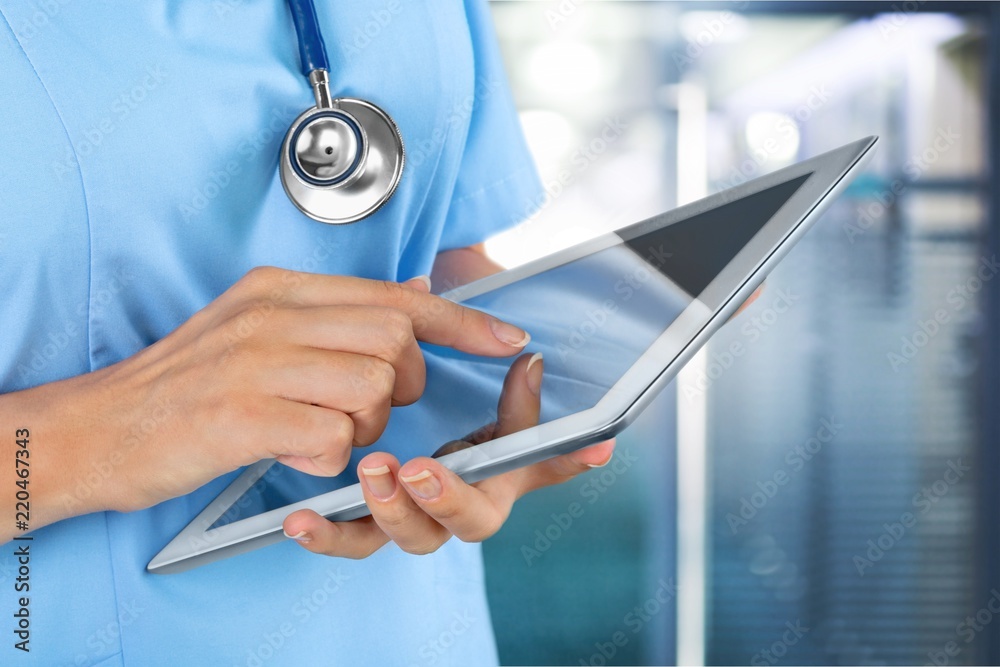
point(520, 403)
point(520, 400)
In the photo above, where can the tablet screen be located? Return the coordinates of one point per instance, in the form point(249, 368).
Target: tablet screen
point(592, 318)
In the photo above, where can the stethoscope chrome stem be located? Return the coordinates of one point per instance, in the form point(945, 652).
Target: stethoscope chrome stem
point(319, 79)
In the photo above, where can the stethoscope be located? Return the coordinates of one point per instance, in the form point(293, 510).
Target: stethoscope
point(341, 159)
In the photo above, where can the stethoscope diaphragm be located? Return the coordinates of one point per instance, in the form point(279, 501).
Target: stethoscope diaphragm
point(336, 172)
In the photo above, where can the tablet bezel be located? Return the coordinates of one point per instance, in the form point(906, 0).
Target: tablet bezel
point(198, 543)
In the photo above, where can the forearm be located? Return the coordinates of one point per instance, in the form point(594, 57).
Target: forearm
point(453, 268)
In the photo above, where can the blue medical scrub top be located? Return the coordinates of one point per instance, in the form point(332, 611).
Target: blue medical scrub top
point(138, 181)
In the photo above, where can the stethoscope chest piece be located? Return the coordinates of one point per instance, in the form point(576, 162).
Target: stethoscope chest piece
point(340, 163)
point(341, 159)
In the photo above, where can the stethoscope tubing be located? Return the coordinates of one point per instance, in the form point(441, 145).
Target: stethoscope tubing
point(312, 48)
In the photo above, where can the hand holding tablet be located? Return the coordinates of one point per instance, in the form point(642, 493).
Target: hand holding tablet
point(421, 504)
point(615, 318)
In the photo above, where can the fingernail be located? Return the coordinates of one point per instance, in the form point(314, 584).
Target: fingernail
point(509, 334)
point(601, 465)
point(424, 484)
point(302, 537)
point(380, 482)
point(534, 373)
point(426, 280)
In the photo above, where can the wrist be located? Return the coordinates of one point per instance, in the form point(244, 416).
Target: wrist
point(57, 482)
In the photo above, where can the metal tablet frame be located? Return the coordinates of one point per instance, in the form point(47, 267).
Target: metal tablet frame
point(198, 543)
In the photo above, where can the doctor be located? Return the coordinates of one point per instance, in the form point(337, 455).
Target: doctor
point(169, 315)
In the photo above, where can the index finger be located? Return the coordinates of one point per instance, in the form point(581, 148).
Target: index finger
point(435, 320)
point(443, 322)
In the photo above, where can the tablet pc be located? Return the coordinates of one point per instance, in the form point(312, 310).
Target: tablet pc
point(616, 319)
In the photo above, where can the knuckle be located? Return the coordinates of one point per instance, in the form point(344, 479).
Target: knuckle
point(338, 434)
point(448, 512)
point(465, 318)
point(395, 294)
point(414, 388)
point(333, 459)
point(391, 518)
point(269, 283)
point(380, 378)
point(396, 331)
point(429, 308)
point(395, 319)
point(341, 430)
point(486, 529)
point(249, 318)
point(327, 437)
point(259, 278)
point(237, 414)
